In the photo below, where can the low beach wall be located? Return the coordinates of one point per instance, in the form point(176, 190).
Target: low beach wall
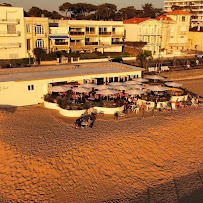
point(110, 111)
point(50, 105)
point(71, 113)
point(78, 113)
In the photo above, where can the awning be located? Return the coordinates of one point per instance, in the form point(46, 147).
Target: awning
point(58, 37)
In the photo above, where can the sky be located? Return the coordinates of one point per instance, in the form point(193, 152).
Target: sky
point(54, 4)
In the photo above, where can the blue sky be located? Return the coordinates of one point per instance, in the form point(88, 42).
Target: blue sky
point(54, 4)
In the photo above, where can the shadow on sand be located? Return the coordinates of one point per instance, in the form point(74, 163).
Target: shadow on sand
point(184, 189)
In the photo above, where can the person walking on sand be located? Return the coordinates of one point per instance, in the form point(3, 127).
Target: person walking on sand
point(143, 108)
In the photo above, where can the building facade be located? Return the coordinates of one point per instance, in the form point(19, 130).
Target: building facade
point(165, 35)
point(175, 31)
point(12, 35)
point(195, 7)
point(86, 35)
point(36, 34)
point(195, 42)
point(144, 30)
point(30, 87)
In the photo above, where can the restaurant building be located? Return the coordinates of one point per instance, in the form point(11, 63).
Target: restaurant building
point(28, 87)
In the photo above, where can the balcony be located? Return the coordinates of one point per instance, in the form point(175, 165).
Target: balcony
point(91, 43)
point(104, 33)
point(117, 33)
point(9, 21)
point(76, 33)
point(76, 44)
point(9, 45)
point(10, 33)
point(90, 33)
point(61, 43)
point(117, 42)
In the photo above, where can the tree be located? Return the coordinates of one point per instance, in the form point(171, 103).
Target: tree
point(126, 13)
point(39, 53)
point(79, 10)
point(106, 11)
point(148, 11)
point(66, 7)
point(35, 11)
point(144, 57)
point(6, 4)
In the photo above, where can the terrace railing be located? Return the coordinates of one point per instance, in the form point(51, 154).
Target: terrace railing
point(7, 33)
point(91, 43)
point(105, 33)
point(8, 21)
point(76, 33)
point(117, 42)
point(10, 45)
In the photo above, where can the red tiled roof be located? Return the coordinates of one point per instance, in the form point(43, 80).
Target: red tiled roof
point(178, 12)
point(163, 17)
point(135, 20)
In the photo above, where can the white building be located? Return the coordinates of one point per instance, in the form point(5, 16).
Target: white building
point(12, 35)
point(144, 30)
point(86, 35)
point(194, 6)
point(29, 87)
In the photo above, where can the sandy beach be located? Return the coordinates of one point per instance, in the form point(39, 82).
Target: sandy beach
point(44, 159)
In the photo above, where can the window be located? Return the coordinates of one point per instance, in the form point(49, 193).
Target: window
point(39, 43)
point(39, 29)
point(11, 29)
point(30, 87)
point(28, 28)
point(28, 44)
point(114, 30)
point(90, 30)
point(103, 29)
point(183, 18)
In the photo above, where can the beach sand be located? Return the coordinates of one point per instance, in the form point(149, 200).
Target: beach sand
point(44, 159)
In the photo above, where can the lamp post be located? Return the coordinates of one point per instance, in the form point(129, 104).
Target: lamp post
point(196, 46)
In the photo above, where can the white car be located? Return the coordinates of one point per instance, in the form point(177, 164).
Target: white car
point(200, 55)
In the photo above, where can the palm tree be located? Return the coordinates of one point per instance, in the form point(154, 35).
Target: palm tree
point(144, 57)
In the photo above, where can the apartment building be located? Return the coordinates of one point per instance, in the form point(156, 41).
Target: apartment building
point(36, 34)
point(145, 30)
point(86, 35)
point(12, 36)
point(175, 31)
point(194, 6)
point(167, 34)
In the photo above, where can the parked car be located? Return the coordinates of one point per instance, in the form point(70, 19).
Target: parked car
point(118, 60)
point(200, 55)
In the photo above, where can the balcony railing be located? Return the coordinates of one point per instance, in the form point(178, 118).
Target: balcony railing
point(117, 33)
point(61, 43)
point(76, 33)
point(117, 42)
point(105, 33)
point(7, 33)
point(16, 21)
point(76, 44)
point(90, 33)
point(91, 43)
point(10, 45)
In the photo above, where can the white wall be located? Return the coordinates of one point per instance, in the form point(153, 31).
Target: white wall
point(12, 46)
